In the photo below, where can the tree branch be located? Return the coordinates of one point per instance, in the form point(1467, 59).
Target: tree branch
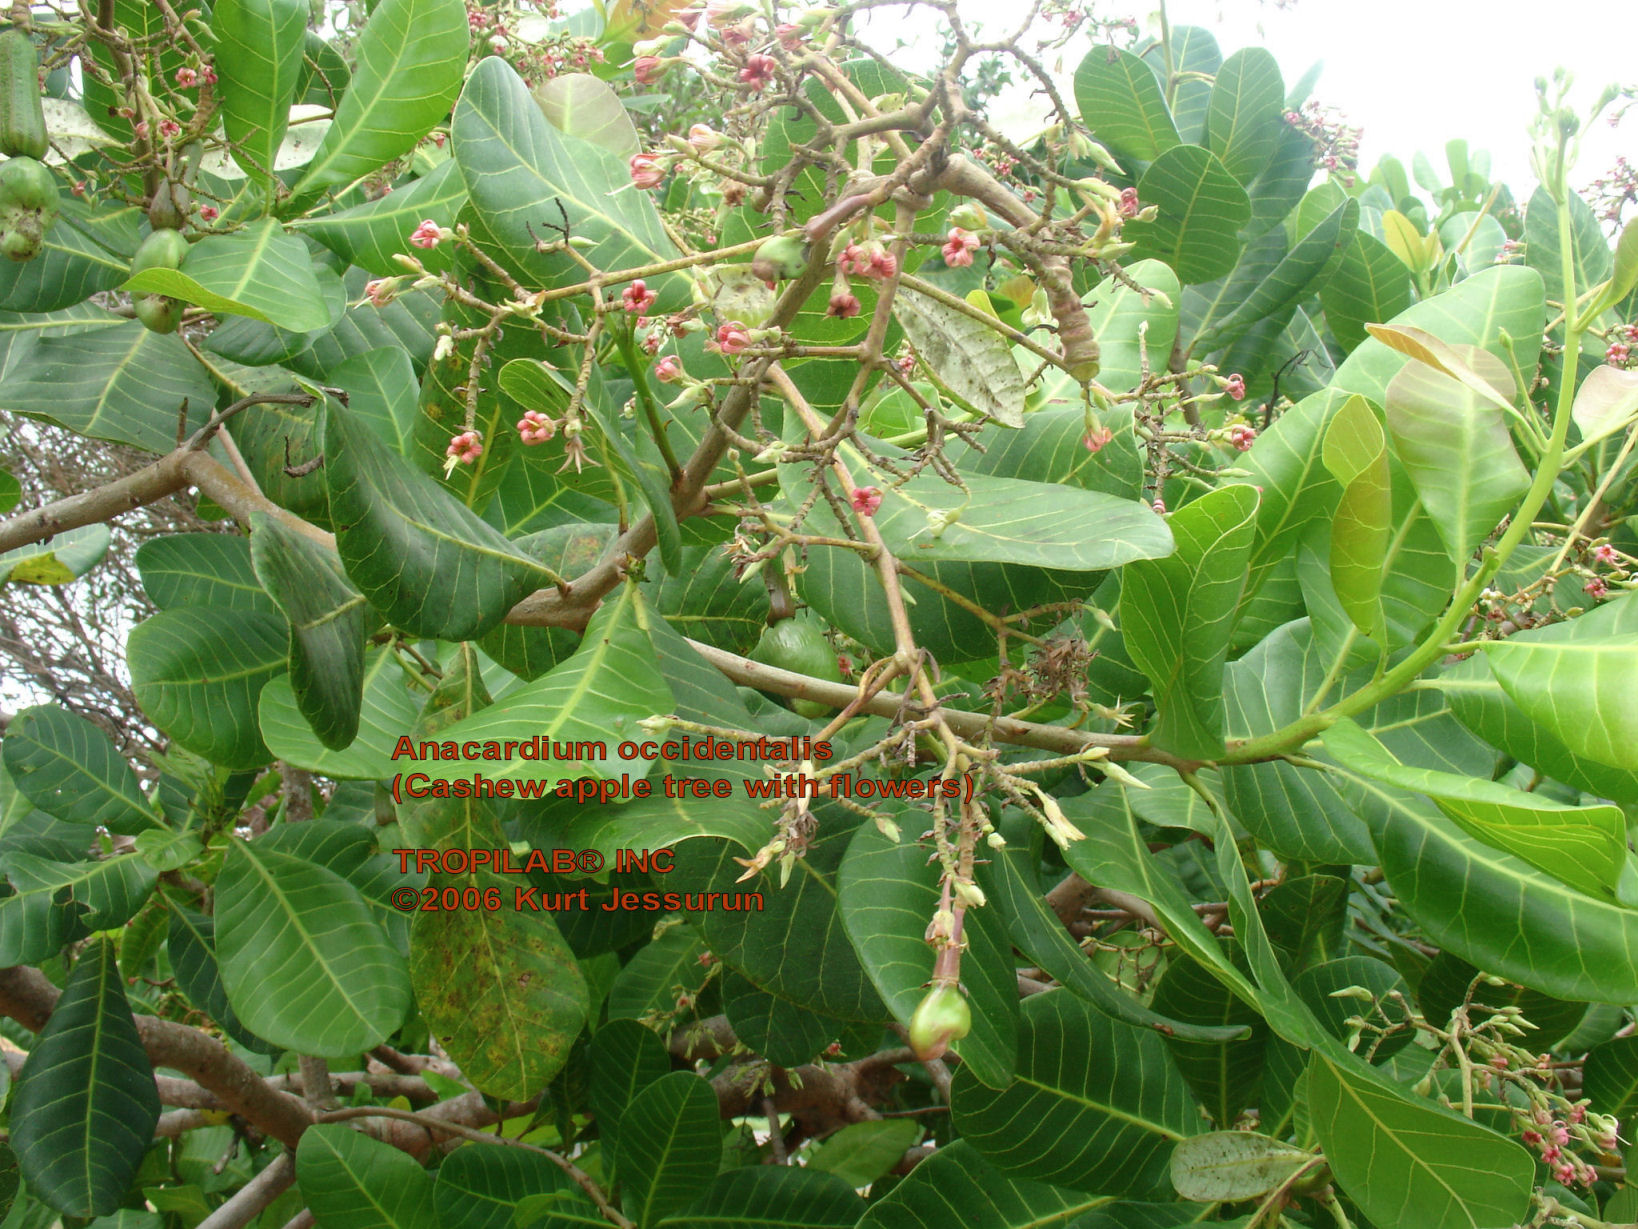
point(253, 1198)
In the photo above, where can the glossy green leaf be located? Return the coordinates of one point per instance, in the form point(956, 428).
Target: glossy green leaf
point(421, 557)
point(388, 708)
point(70, 770)
point(382, 390)
point(1286, 463)
point(191, 945)
point(783, 1032)
point(519, 169)
point(1101, 1127)
point(201, 569)
point(85, 1104)
point(1224, 1074)
point(1244, 117)
point(581, 106)
point(1581, 686)
point(956, 1181)
point(304, 963)
point(369, 235)
point(198, 673)
point(483, 1187)
point(1356, 455)
point(1408, 1162)
point(772, 1197)
point(1369, 284)
point(1228, 1166)
point(887, 895)
point(1610, 1077)
point(624, 1058)
point(670, 1146)
point(972, 360)
point(1201, 209)
point(1456, 449)
point(101, 895)
point(123, 384)
point(1177, 614)
point(1544, 249)
point(1585, 847)
point(411, 56)
point(1386, 1002)
point(350, 1181)
point(259, 272)
point(1120, 101)
point(499, 988)
point(10, 491)
point(60, 559)
point(861, 1152)
point(258, 55)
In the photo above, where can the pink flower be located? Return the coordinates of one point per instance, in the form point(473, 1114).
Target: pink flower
point(140, 128)
point(1565, 1174)
point(758, 71)
point(703, 138)
point(535, 427)
point(1129, 203)
point(843, 306)
point(866, 499)
point(1604, 554)
point(169, 128)
point(207, 213)
point(426, 235)
point(1618, 353)
point(186, 77)
point(959, 246)
point(668, 370)
point(1242, 436)
point(870, 260)
point(1530, 1137)
point(1096, 438)
point(647, 171)
point(466, 447)
point(652, 341)
point(1596, 588)
point(733, 337)
point(209, 75)
point(638, 298)
point(789, 36)
point(1235, 386)
point(381, 291)
point(648, 69)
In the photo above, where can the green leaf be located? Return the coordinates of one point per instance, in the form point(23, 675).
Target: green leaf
point(1224, 1075)
point(1456, 448)
point(652, 979)
point(1369, 284)
point(972, 360)
point(350, 1181)
point(123, 384)
point(382, 390)
point(1038, 933)
point(1104, 1127)
point(1128, 324)
point(1120, 101)
point(388, 708)
point(1585, 847)
point(887, 895)
point(258, 55)
point(1605, 402)
point(772, 1197)
point(85, 1105)
point(328, 623)
point(305, 964)
point(1580, 685)
point(100, 895)
point(1244, 117)
point(597, 696)
point(410, 59)
point(1202, 209)
point(861, 1152)
point(1610, 1076)
point(259, 272)
point(191, 945)
point(70, 770)
point(198, 673)
point(581, 106)
point(624, 1058)
point(499, 988)
point(1356, 455)
point(10, 491)
point(1410, 1163)
point(1286, 463)
point(483, 1187)
point(1387, 1002)
point(63, 558)
point(1544, 251)
point(956, 1180)
point(369, 235)
point(782, 1032)
point(1177, 615)
point(1228, 1166)
point(519, 169)
point(201, 569)
point(670, 1146)
point(422, 558)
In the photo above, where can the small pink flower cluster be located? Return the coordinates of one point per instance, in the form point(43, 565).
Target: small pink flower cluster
point(535, 428)
point(1242, 436)
point(466, 447)
point(1096, 438)
point(1235, 386)
point(870, 260)
point(638, 298)
point(1129, 205)
point(427, 235)
point(731, 338)
point(959, 246)
point(647, 170)
point(844, 304)
point(669, 370)
point(866, 499)
point(758, 71)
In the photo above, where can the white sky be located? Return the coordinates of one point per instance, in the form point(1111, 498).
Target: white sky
point(1416, 73)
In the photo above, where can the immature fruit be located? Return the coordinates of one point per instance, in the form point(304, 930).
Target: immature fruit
point(164, 249)
point(779, 259)
point(941, 1017)
point(801, 647)
point(22, 115)
point(28, 185)
point(21, 241)
point(170, 206)
point(160, 313)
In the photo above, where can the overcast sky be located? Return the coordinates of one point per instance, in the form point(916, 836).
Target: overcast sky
point(1417, 73)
